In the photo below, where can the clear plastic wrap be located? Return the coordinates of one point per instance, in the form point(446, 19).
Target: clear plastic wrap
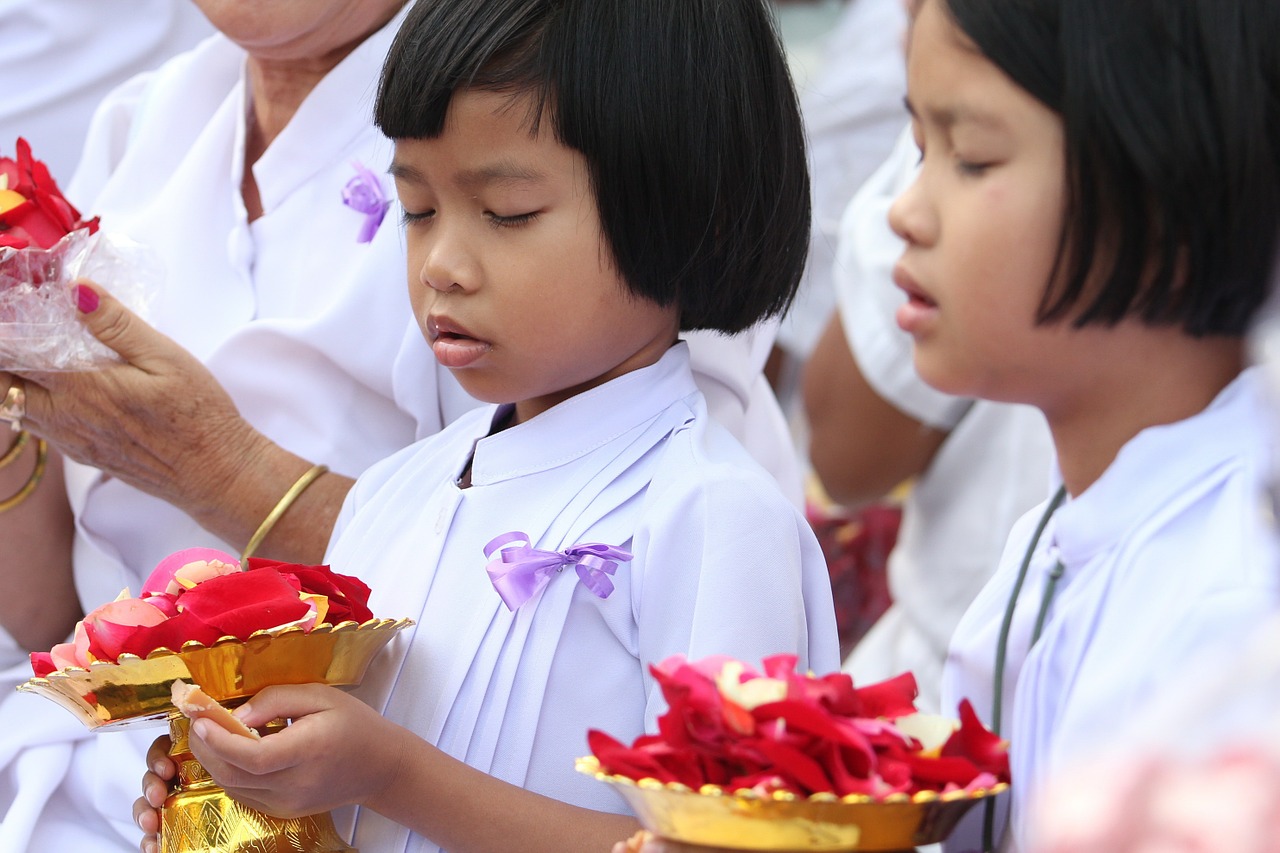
point(40, 326)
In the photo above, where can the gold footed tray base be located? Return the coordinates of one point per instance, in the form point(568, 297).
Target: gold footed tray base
point(199, 817)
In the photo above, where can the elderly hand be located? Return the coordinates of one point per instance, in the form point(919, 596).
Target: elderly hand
point(159, 420)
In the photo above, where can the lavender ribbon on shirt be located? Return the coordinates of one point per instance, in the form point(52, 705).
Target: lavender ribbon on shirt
point(364, 194)
point(519, 571)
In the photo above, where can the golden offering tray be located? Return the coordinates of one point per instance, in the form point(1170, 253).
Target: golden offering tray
point(747, 820)
point(198, 816)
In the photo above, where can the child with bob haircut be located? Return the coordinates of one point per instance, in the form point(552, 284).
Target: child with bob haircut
point(1091, 232)
point(581, 181)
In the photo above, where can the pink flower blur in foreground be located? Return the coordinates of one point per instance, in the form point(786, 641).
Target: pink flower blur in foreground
point(1226, 803)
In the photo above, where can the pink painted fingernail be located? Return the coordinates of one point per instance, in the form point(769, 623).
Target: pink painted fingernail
point(86, 299)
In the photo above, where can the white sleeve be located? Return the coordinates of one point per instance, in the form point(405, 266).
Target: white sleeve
point(730, 568)
point(852, 110)
point(868, 300)
point(106, 141)
point(729, 371)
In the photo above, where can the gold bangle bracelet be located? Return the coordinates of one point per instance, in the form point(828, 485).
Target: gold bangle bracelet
point(279, 510)
point(42, 459)
point(15, 449)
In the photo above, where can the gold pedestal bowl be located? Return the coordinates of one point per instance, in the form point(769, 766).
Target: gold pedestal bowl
point(746, 820)
point(198, 816)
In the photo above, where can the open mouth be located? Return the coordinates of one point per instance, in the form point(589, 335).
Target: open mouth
point(453, 345)
point(920, 300)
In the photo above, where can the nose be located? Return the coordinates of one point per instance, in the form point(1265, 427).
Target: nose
point(911, 216)
point(444, 260)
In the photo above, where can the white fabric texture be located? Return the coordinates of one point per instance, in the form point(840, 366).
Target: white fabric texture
point(310, 332)
point(852, 108)
point(722, 564)
point(1168, 556)
point(995, 463)
point(59, 58)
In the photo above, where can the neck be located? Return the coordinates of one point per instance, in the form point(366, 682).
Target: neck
point(1166, 377)
point(279, 82)
point(277, 90)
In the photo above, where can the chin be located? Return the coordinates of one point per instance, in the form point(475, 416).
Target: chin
point(941, 375)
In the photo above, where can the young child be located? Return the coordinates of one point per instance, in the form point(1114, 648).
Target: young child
point(581, 181)
point(1090, 233)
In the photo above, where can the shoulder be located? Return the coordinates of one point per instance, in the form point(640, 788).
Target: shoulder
point(171, 104)
point(704, 478)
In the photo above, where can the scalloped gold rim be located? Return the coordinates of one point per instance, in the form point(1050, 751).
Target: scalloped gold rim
point(590, 765)
point(192, 646)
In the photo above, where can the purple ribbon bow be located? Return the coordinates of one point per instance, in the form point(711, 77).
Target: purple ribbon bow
point(518, 572)
point(364, 194)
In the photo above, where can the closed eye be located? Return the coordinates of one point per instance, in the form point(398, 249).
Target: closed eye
point(510, 221)
point(970, 169)
point(410, 217)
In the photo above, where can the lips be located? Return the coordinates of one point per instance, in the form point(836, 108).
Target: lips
point(907, 284)
point(452, 344)
point(919, 310)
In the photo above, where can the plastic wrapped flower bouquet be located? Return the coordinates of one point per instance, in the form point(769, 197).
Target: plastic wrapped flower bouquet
point(45, 246)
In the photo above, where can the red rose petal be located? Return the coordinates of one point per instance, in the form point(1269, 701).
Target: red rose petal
point(171, 634)
point(241, 603)
point(42, 664)
point(348, 596)
point(976, 742)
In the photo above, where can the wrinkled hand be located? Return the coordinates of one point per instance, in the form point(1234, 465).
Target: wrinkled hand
point(159, 421)
point(336, 751)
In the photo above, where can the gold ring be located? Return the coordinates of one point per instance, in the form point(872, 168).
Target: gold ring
point(14, 407)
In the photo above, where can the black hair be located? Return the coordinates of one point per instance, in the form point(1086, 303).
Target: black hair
point(683, 109)
point(1171, 117)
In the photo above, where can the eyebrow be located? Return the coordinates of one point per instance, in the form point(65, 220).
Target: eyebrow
point(498, 172)
point(948, 117)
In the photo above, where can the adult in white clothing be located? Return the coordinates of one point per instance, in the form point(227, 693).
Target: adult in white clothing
point(976, 465)
point(852, 107)
point(60, 58)
point(286, 343)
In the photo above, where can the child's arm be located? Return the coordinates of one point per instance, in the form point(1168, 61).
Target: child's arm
point(339, 751)
point(861, 445)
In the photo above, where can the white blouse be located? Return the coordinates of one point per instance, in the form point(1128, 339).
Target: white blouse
point(1168, 555)
point(722, 564)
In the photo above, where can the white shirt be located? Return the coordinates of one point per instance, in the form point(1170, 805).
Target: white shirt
point(722, 564)
point(994, 464)
point(1167, 556)
point(59, 58)
point(310, 332)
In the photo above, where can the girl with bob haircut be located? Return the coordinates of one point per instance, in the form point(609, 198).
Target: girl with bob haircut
point(1091, 232)
point(581, 180)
